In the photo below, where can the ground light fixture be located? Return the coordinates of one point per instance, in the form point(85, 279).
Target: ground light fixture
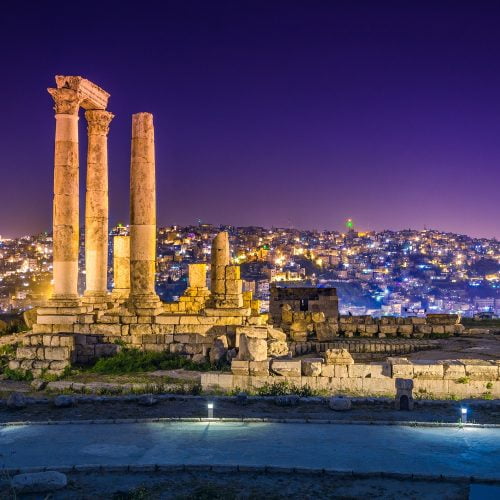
point(463, 413)
point(210, 407)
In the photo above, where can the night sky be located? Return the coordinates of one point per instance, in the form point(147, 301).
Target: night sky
point(293, 113)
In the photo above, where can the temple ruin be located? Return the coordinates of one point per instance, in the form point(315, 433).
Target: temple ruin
point(217, 323)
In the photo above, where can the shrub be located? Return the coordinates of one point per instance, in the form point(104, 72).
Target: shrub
point(19, 375)
point(463, 380)
point(285, 389)
point(134, 361)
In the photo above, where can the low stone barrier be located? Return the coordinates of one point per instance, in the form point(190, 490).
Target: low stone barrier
point(387, 347)
point(461, 378)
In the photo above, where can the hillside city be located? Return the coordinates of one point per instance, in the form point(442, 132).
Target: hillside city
point(395, 273)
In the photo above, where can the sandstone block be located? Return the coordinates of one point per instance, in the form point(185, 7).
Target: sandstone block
point(240, 367)
point(252, 349)
point(40, 328)
point(259, 368)
point(277, 348)
point(232, 272)
point(140, 329)
point(428, 370)
point(26, 353)
point(405, 330)
point(286, 367)
point(483, 371)
point(311, 367)
point(57, 353)
point(58, 319)
point(453, 369)
point(338, 356)
point(275, 334)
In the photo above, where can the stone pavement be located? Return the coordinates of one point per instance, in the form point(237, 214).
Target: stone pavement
point(362, 448)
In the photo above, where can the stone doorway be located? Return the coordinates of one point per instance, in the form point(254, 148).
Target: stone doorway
point(404, 403)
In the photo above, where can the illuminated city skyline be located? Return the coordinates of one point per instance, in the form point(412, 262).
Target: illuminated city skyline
point(270, 114)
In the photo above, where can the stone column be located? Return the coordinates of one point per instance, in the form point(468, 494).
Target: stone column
point(219, 261)
point(65, 207)
point(96, 206)
point(143, 213)
point(121, 266)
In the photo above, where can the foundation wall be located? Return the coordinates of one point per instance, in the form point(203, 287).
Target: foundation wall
point(444, 379)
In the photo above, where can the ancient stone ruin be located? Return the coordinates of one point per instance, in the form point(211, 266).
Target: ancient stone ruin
point(216, 323)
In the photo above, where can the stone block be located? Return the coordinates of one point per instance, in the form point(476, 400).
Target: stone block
point(232, 273)
point(287, 367)
point(311, 367)
point(341, 371)
point(57, 353)
point(40, 328)
point(399, 367)
point(424, 329)
point(338, 356)
point(167, 320)
point(277, 348)
point(405, 330)
point(378, 386)
point(58, 319)
point(452, 369)
point(438, 329)
point(239, 367)
point(103, 329)
point(483, 371)
point(252, 349)
point(197, 274)
point(259, 368)
point(388, 330)
point(26, 353)
point(428, 370)
point(274, 333)
point(140, 329)
point(328, 371)
point(366, 370)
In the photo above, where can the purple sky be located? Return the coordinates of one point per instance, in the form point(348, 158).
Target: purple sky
point(288, 113)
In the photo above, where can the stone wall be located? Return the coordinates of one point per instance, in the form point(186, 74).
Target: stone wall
point(303, 299)
point(447, 379)
point(363, 348)
point(305, 326)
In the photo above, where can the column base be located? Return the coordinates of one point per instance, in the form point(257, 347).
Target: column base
point(60, 300)
point(95, 298)
point(145, 304)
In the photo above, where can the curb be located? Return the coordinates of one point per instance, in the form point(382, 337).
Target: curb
point(249, 420)
point(223, 468)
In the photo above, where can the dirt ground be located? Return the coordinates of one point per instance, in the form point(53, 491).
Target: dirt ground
point(240, 485)
point(197, 407)
point(477, 347)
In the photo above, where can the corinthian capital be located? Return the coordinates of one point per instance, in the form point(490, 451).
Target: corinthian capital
point(67, 101)
point(98, 121)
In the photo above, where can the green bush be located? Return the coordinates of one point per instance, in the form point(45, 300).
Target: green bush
point(19, 375)
point(136, 361)
point(463, 380)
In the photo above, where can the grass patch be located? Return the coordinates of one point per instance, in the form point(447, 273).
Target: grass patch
point(7, 352)
point(286, 389)
point(463, 380)
point(136, 361)
point(19, 375)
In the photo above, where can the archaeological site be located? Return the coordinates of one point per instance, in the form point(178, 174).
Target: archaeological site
point(302, 340)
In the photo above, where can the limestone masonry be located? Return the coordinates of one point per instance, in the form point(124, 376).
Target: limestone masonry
point(220, 323)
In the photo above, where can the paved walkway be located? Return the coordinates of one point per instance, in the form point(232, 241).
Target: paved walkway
point(364, 448)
